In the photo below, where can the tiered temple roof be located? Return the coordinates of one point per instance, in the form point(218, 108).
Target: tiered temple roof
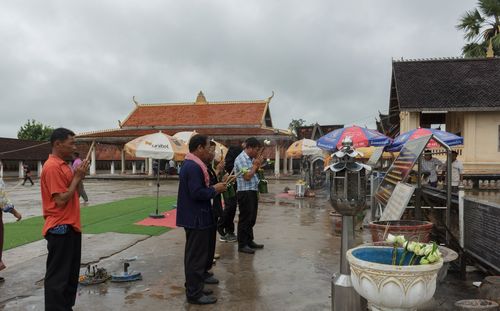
point(226, 121)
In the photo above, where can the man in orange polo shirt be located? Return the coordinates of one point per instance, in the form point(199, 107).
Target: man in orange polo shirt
point(62, 229)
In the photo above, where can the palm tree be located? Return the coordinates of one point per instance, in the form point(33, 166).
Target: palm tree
point(482, 29)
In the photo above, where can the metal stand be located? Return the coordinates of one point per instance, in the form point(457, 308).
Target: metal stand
point(344, 297)
point(156, 215)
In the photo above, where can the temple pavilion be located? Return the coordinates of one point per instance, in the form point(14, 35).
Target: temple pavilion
point(228, 122)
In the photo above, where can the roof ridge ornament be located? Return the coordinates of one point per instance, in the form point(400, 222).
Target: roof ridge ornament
point(135, 102)
point(270, 97)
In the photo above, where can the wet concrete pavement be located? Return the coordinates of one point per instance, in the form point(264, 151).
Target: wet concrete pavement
point(292, 272)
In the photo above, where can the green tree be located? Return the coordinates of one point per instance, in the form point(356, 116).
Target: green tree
point(33, 130)
point(295, 124)
point(482, 29)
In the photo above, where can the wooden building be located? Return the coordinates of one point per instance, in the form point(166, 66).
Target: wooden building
point(461, 96)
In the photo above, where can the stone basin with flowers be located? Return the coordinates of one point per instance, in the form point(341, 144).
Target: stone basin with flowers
point(387, 286)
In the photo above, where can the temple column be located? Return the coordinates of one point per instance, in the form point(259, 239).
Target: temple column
point(276, 161)
point(112, 168)
point(1, 169)
point(39, 168)
point(123, 162)
point(150, 166)
point(134, 168)
point(290, 168)
point(21, 169)
point(285, 166)
point(92, 164)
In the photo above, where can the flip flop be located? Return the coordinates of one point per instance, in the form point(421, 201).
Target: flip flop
point(2, 279)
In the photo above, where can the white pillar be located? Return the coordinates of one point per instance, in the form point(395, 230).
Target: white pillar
point(92, 164)
point(1, 169)
point(150, 166)
point(39, 168)
point(276, 161)
point(285, 166)
point(21, 170)
point(123, 162)
point(112, 167)
point(134, 168)
point(461, 194)
point(290, 168)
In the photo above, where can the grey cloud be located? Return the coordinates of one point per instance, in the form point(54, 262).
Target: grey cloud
point(78, 63)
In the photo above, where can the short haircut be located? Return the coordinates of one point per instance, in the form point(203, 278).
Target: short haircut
point(76, 154)
point(60, 134)
point(252, 142)
point(454, 152)
point(196, 141)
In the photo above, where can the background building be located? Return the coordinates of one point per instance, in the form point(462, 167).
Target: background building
point(461, 96)
point(229, 122)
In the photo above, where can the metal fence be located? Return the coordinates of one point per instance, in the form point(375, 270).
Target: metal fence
point(481, 231)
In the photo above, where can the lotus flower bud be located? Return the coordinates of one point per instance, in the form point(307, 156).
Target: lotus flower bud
point(416, 249)
point(411, 246)
point(424, 261)
point(428, 249)
point(432, 258)
point(391, 238)
point(400, 239)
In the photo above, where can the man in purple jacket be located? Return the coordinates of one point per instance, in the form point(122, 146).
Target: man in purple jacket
point(195, 214)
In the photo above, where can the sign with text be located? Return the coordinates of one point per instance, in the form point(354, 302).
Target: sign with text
point(397, 202)
point(375, 158)
point(401, 168)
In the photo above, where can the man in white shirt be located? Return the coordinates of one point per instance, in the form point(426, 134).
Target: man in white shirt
point(430, 166)
point(457, 170)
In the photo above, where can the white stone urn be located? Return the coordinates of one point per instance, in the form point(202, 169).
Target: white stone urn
point(390, 287)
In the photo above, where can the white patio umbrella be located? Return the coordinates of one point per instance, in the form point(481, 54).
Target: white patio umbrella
point(303, 147)
point(220, 149)
point(157, 146)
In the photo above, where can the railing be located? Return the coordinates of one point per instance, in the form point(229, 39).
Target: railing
point(480, 222)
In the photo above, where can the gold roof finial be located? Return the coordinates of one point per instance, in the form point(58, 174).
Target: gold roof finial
point(200, 99)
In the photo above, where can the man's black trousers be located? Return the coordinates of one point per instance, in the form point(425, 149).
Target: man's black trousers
point(211, 250)
point(248, 204)
point(63, 269)
point(196, 256)
point(229, 213)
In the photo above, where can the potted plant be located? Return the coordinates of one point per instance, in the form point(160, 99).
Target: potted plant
point(400, 277)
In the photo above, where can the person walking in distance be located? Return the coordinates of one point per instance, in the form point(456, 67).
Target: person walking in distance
point(248, 163)
point(62, 228)
point(27, 174)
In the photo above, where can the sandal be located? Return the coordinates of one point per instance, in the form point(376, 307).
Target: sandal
point(2, 279)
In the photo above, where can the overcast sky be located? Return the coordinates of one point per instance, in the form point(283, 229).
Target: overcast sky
point(77, 64)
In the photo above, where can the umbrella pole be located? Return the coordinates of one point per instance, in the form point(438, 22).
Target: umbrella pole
point(156, 215)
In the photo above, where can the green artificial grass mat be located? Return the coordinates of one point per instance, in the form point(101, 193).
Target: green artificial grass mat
point(118, 216)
